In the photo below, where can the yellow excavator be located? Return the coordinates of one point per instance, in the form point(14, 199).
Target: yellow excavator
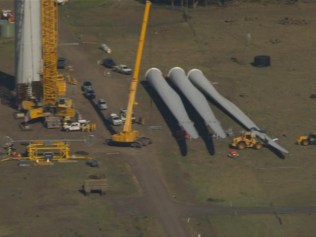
point(130, 137)
point(54, 105)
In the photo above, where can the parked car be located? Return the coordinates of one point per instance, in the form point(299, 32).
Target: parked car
point(61, 63)
point(123, 115)
point(89, 93)
point(108, 62)
point(102, 105)
point(115, 119)
point(123, 69)
point(87, 85)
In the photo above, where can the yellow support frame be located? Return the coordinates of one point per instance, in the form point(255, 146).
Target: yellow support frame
point(36, 151)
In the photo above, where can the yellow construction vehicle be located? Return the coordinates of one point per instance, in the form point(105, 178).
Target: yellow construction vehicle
point(54, 103)
point(130, 137)
point(307, 140)
point(246, 140)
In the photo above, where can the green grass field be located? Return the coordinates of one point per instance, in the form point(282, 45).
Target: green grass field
point(301, 225)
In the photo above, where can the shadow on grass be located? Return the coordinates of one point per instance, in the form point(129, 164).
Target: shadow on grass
point(105, 120)
point(7, 81)
point(168, 117)
point(84, 193)
point(199, 123)
point(7, 85)
point(279, 154)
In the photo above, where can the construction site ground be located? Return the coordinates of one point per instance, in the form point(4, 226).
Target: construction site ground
point(174, 187)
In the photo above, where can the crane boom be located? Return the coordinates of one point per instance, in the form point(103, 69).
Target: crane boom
point(128, 134)
point(49, 47)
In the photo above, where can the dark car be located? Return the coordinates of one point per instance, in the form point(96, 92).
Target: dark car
point(108, 62)
point(61, 63)
point(87, 85)
point(89, 94)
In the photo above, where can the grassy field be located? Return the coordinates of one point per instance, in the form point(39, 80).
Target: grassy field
point(7, 49)
point(277, 98)
point(256, 178)
point(48, 196)
point(259, 225)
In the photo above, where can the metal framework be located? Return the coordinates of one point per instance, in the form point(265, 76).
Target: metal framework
point(48, 151)
point(49, 44)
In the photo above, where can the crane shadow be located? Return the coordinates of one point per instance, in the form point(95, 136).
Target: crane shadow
point(106, 122)
point(168, 117)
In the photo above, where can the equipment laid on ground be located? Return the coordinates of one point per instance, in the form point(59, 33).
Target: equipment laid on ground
point(130, 137)
point(95, 185)
point(307, 140)
point(47, 151)
point(93, 163)
point(233, 154)
point(52, 122)
point(44, 152)
point(197, 77)
point(246, 140)
point(261, 61)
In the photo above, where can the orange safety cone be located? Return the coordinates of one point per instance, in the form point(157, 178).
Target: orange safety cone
point(233, 154)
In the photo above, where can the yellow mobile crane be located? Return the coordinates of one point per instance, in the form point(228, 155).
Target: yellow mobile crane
point(54, 104)
point(130, 137)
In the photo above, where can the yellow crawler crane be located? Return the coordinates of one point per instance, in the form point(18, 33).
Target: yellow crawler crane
point(130, 137)
point(54, 85)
